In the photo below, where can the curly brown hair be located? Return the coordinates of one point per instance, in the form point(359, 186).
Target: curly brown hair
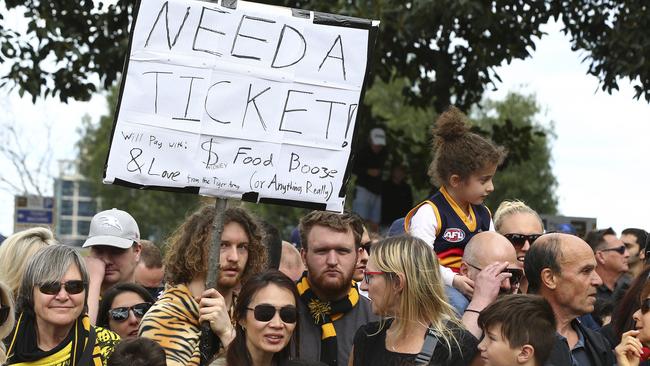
point(337, 222)
point(459, 151)
point(189, 245)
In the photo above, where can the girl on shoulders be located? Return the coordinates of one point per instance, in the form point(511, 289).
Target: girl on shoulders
point(464, 164)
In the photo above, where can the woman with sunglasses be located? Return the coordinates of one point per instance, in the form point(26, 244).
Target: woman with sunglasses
point(404, 282)
point(122, 307)
point(266, 317)
point(53, 327)
point(521, 225)
point(6, 317)
point(630, 351)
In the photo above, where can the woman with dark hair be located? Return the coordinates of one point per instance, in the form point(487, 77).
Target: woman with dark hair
point(266, 317)
point(122, 307)
point(631, 348)
point(622, 320)
point(53, 327)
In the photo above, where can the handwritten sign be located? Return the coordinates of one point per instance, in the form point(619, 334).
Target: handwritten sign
point(255, 102)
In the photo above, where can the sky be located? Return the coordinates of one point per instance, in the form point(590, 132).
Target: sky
point(597, 155)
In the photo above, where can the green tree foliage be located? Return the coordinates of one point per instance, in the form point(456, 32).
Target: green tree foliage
point(527, 174)
point(447, 49)
point(157, 213)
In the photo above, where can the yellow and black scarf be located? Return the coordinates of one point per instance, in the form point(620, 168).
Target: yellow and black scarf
point(324, 313)
point(23, 345)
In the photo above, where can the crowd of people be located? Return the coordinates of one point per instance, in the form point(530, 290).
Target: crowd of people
point(450, 284)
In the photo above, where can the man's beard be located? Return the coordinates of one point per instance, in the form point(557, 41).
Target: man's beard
point(228, 283)
point(329, 290)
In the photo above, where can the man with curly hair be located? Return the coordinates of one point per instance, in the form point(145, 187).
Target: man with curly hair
point(174, 320)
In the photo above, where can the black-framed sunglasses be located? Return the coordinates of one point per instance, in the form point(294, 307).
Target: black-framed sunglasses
point(516, 274)
point(620, 250)
point(4, 313)
point(122, 313)
point(72, 287)
point(366, 247)
point(645, 306)
point(266, 312)
point(519, 240)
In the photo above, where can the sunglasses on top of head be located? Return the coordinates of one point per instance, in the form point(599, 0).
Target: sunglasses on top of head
point(266, 312)
point(620, 250)
point(519, 240)
point(122, 313)
point(72, 287)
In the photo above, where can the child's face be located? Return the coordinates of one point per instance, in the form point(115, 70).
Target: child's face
point(479, 185)
point(495, 350)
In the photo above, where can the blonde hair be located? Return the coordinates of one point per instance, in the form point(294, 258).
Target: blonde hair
point(423, 296)
point(16, 251)
point(7, 326)
point(508, 208)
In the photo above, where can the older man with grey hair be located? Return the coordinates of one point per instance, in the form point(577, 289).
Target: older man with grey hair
point(490, 261)
point(562, 269)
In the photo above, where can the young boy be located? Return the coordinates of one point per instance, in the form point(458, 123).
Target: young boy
point(518, 330)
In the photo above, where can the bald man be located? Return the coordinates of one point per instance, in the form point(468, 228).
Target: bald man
point(490, 260)
point(291, 262)
point(562, 269)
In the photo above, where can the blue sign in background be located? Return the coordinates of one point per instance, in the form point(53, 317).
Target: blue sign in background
point(33, 217)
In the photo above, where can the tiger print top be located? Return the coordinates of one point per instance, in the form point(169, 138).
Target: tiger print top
point(173, 322)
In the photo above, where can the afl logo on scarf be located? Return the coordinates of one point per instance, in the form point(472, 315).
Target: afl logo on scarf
point(454, 235)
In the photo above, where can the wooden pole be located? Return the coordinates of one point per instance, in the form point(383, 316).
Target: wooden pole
point(209, 343)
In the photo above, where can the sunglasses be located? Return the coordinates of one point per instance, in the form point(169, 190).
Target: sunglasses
point(4, 313)
point(519, 240)
point(122, 313)
point(516, 274)
point(645, 306)
point(620, 250)
point(71, 287)
point(266, 312)
point(366, 247)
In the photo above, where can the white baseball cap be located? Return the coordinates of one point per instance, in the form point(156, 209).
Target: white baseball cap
point(114, 228)
point(378, 137)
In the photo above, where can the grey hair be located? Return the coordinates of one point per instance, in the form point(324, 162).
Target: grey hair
point(49, 265)
point(507, 208)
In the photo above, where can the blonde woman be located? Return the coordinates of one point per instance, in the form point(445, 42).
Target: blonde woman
point(521, 225)
point(6, 318)
point(16, 251)
point(404, 283)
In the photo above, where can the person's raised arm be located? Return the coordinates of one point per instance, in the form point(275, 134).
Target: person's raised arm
point(628, 352)
point(488, 283)
point(96, 269)
point(212, 309)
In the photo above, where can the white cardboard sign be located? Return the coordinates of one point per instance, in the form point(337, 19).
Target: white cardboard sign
point(257, 102)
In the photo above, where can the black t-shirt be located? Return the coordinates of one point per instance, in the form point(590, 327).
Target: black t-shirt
point(370, 349)
point(367, 159)
point(396, 201)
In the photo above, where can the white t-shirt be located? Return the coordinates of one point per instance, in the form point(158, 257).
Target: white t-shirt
point(424, 225)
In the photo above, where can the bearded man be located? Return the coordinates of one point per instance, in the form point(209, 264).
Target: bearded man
point(330, 309)
point(174, 320)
